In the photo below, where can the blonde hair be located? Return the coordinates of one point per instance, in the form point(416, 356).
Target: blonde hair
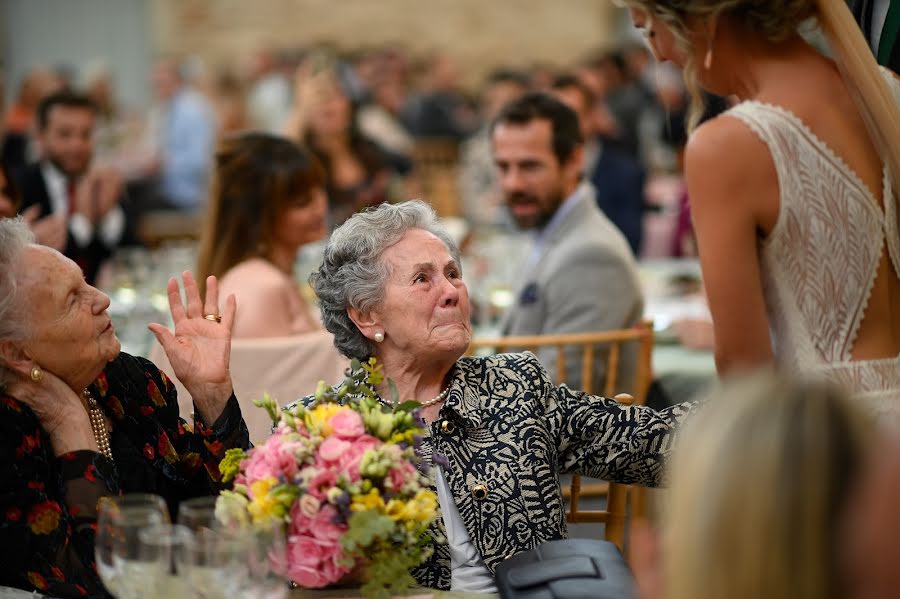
point(757, 484)
point(775, 20)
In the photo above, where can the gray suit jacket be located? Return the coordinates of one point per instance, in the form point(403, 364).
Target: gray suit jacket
point(586, 280)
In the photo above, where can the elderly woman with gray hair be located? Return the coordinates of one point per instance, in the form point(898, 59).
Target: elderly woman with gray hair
point(391, 287)
point(79, 420)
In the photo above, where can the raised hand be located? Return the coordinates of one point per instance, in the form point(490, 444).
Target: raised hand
point(200, 347)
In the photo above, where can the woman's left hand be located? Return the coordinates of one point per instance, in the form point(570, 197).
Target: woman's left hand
point(200, 348)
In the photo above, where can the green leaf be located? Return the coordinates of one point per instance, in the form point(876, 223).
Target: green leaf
point(364, 528)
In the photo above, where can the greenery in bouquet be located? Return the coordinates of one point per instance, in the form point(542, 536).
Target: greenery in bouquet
point(342, 477)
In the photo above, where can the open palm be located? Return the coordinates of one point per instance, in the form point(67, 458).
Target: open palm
point(199, 349)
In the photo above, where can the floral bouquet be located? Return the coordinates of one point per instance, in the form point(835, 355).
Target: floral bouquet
point(342, 479)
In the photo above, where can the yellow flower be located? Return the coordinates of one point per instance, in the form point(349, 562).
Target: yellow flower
point(317, 418)
point(264, 506)
point(396, 509)
point(423, 507)
point(370, 501)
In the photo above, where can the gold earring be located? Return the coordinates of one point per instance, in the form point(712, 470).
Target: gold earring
point(37, 374)
point(707, 60)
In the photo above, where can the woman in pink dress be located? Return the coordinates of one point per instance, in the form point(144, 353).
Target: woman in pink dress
point(267, 201)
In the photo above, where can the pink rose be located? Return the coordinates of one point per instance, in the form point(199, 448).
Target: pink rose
point(347, 424)
point(400, 474)
point(300, 522)
point(350, 459)
point(332, 448)
point(275, 458)
point(323, 525)
point(312, 562)
point(323, 480)
point(309, 506)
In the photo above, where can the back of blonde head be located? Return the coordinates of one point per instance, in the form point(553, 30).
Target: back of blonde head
point(757, 484)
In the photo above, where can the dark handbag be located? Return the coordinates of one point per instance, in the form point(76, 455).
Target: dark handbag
point(566, 569)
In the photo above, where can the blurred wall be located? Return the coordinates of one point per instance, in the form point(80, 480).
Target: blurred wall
point(480, 34)
point(73, 33)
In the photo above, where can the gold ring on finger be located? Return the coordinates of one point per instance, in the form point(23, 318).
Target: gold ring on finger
point(213, 317)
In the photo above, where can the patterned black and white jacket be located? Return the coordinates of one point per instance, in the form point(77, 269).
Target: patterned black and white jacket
point(508, 433)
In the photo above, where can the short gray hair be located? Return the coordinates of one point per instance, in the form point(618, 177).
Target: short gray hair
point(352, 274)
point(15, 237)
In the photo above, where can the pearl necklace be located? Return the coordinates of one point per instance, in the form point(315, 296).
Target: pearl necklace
point(440, 397)
point(98, 424)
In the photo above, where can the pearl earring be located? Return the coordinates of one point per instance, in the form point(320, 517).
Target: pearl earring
point(36, 374)
point(379, 336)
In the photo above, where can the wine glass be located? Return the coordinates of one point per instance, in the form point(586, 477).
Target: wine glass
point(265, 553)
point(198, 513)
point(162, 560)
point(118, 521)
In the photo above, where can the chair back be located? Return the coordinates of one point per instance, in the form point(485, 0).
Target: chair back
point(287, 368)
point(435, 161)
point(590, 345)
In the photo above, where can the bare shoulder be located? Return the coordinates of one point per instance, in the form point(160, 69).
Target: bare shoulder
point(724, 142)
point(254, 276)
point(724, 156)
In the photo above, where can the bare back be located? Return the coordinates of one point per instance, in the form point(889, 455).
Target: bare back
point(830, 258)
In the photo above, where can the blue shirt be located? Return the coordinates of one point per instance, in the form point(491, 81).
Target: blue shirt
point(188, 135)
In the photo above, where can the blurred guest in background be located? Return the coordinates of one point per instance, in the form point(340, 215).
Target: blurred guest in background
point(802, 447)
point(19, 146)
point(357, 171)
point(580, 275)
point(65, 186)
point(9, 196)
point(880, 22)
point(379, 119)
point(618, 179)
point(440, 109)
point(798, 272)
point(267, 201)
point(184, 127)
point(269, 96)
point(80, 420)
point(480, 195)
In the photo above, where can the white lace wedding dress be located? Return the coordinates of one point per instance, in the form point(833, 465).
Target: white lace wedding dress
point(820, 261)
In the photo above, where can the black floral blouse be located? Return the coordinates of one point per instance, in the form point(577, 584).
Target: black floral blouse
point(48, 504)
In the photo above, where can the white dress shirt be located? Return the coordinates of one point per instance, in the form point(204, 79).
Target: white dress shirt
point(112, 225)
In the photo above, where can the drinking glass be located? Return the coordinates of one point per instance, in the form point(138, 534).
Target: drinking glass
point(161, 562)
point(198, 513)
point(265, 553)
point(119, 519)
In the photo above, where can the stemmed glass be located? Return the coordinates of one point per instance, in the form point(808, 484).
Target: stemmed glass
point(214, 564)
point(119, 519)
point(265, 553)
point(161, 562)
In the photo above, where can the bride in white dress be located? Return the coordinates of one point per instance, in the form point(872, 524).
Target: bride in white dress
point(794, 190)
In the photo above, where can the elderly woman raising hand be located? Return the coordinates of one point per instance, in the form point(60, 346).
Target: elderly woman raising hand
point(79, 420)
point(391, 287)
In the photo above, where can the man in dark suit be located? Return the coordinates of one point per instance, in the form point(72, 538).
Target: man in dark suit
point(63, 186)
point(880, 23)
point(618, 179)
